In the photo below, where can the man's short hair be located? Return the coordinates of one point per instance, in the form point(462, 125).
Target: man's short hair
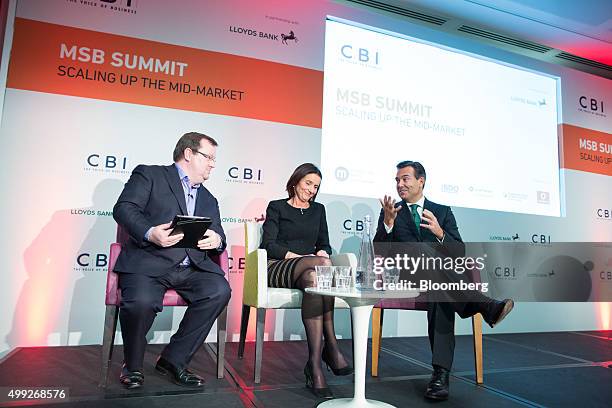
point(190, 140)
point(419, 170)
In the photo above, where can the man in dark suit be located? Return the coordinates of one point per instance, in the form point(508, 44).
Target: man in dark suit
point(148, 263)
point(416, 219)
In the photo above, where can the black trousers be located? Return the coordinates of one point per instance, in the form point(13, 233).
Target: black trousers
point(141, 299)
point(441, 320)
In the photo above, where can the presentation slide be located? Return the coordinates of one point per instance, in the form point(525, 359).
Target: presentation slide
point(486, 132)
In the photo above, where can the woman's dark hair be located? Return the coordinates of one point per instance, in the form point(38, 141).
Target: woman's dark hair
point(299, 173)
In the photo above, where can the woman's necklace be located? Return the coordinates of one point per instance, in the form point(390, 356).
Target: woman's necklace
point(294, 205)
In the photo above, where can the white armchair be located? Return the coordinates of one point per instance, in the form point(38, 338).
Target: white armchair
point(257, 294)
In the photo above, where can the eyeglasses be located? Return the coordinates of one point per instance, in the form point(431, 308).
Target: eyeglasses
point(211, 158)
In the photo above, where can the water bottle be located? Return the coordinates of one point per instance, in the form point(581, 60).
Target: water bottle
point(364, 275)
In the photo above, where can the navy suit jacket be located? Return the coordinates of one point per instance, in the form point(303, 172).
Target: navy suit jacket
point(405, 230)
point(154, 195)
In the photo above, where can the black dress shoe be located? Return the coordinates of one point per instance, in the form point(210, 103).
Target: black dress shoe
point(437, 389)
point(323, 392)
point(182, 376)
point(131, 379)
point(498, 311)
point(346, 370)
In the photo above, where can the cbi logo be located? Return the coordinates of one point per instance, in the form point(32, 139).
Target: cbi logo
point(119, 6)
point(244, 175)
point(106, 163)
point(87, 261)
point(352, 226)
point(124, 3)
point(360, 55)
point(237, 260)
point(604, 214)
point(236, 265)
point(541, 239)
point(505, 272)
point(591, 105)
point(123, 6)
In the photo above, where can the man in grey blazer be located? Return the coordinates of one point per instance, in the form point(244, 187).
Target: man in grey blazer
point(149, 264)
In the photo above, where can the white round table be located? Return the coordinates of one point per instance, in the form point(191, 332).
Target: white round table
point(361, 304)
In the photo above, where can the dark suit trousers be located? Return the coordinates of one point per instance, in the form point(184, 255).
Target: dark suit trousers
point(441, 317)
point(141, 299)
point(442, 305)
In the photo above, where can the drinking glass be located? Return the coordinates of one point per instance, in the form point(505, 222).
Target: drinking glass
point(343, 277)
point(391, 275)
point(324, 276)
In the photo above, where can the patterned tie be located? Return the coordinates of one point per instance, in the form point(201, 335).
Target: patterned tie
point(416, 217)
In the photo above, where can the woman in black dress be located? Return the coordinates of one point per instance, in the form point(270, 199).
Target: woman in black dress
point(295, 237)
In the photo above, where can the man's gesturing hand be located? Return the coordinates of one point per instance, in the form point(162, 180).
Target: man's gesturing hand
point(389, 209)
point(430, 222)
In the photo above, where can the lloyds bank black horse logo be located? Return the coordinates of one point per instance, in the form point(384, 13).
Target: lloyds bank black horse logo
point(291, 36)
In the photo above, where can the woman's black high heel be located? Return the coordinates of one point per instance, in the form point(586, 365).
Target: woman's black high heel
point(324, 392)
point(337, 371)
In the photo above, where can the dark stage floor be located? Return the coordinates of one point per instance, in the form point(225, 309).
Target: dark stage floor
point(565, 369)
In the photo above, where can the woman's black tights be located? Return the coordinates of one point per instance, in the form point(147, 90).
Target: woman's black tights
point(318, 318)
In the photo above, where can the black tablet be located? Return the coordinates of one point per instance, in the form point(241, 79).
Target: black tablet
point(192, 227)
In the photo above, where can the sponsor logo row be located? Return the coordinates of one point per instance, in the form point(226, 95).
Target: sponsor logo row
point(537, 238)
